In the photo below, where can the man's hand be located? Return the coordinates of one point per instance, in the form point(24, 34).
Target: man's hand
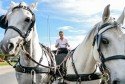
point(57, 45)
point(67, 45)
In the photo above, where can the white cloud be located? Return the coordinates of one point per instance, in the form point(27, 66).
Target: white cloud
point(78, 31)
point(116, 4)
point(74, 41)
point(93, 20)
point(81, 10)
point(87, 7)
point(66, 28)
point(73, 30)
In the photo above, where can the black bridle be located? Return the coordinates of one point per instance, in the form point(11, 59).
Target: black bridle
point(23, 35)
point(97, 39)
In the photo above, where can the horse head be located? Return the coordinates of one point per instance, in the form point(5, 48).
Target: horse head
point(109, 46)
point(18, 24)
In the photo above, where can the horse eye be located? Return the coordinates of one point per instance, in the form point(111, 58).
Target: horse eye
point(27, 19)
point(105, 41)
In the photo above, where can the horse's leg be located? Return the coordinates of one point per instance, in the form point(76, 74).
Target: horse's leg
point(18, 77)
point(43, 79)
point(23, 78)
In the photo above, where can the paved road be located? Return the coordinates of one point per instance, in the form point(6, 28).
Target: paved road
point(7, 75)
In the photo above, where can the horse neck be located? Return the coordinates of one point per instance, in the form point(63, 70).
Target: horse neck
point(34, 49)
point(83, 58)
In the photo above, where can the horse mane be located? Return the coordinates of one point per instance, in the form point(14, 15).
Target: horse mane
point(90, 36)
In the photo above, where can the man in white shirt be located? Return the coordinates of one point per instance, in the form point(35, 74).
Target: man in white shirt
point(62, 43)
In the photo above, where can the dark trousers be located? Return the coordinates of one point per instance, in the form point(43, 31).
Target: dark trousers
point(62, 50)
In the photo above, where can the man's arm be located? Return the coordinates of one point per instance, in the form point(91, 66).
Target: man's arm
point(67, 44)
point(57, 44)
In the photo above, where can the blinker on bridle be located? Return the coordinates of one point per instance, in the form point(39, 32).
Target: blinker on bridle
point(4, 22)
point(97, 40)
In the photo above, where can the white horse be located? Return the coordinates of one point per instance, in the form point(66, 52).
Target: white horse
point(21, 38)
point(105, 44)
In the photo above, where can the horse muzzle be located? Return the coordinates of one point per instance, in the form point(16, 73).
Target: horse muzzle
point(7, 47)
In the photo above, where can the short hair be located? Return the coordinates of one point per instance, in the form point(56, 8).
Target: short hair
point(60, 31)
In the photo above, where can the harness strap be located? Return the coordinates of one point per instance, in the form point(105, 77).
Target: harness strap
point(16, 29)
point(45, 49)
point(74, 67)
point(115, 57)
point(84, 77)
point(103, 60)
point(33, 76)
point(24, 69)
point(28, 55)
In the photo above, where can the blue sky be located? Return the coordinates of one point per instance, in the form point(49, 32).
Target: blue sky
point(74, 17)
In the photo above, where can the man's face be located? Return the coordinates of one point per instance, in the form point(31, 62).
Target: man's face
point(61, 34)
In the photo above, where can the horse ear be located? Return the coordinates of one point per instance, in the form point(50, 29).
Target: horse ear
point(120, 20)
point(33, 6)
point(106, 13)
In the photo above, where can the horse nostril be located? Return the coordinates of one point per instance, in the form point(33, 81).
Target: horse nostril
point(10, 46)
point(116, 82)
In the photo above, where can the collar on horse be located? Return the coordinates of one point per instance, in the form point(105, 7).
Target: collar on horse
point(39, 68)
point(79, 77)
